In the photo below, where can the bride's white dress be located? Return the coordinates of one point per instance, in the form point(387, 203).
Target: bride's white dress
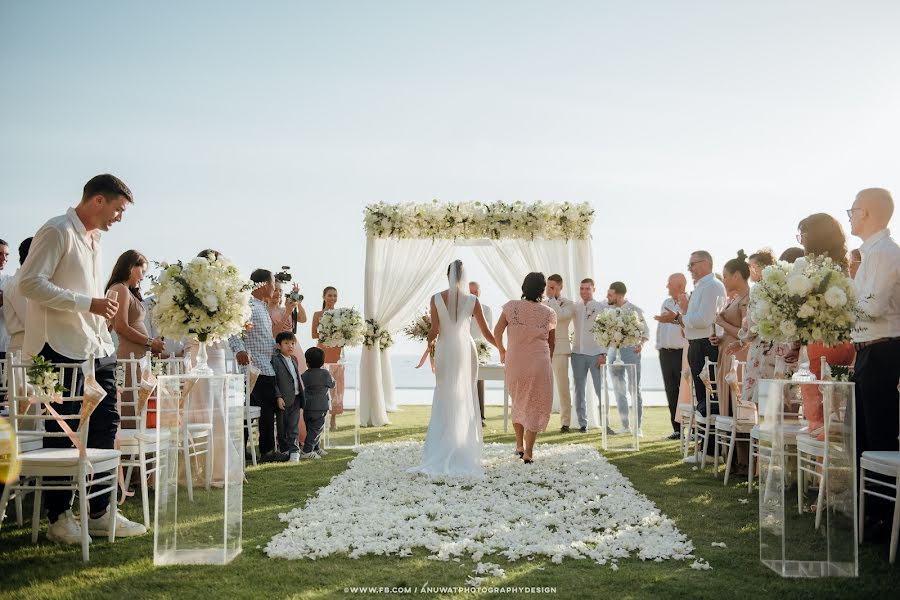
point(454, 441)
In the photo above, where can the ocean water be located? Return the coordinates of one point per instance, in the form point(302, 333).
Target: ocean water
point(406, 376)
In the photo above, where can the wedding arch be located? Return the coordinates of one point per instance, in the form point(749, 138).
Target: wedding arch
point(408, 244)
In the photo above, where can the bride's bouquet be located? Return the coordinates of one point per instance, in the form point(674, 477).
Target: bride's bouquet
point(341, 327)
point(205, 298)
point(617, 328)
point(376, 334)
point(811, 300)
point(419, 328)
point(484, 351)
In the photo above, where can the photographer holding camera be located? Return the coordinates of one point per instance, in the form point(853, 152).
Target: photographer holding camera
point(286, 310)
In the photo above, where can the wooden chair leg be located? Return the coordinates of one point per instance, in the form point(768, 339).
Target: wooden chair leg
point(4, 500)
point(750, 466)
point(84, 516)
point(36, 511)
point(731, 443)
point(145, 495)
point(113, 509)
point(800, 483)
point(862, 503)
point(188, 475)
point(895, 530)
point(820, 497)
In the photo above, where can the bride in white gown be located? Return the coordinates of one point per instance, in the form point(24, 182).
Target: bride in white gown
point(453, 442)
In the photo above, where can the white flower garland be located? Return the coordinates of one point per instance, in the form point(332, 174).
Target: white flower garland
point(376, 334)
point(478, 220)
point(572, 503)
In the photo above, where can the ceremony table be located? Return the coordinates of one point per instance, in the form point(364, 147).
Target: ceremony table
point(497, 372)
point(200, 440)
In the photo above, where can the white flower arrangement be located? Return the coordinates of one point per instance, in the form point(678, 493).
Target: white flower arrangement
point(484, 351)
point(419, 328)
point(617, 328)
point(478, 220)
point(811, 300)
point(205, 298)
point(341, 327)
point(376, 334)
point(573, 504)
point(44, 377)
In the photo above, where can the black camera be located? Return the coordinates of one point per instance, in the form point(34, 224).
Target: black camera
point(284, 275)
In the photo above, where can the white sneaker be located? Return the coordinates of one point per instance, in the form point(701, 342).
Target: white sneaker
point(66, 530)
point(295, 457)
point(693, 459)
point(322, 452)
point(623, 431)
point(124, 527)
point(307, 455)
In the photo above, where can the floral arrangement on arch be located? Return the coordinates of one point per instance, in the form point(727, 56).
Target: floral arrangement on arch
point(376, 334)
point(341, 327)
point(617, 328)
point(205, 298)
point(811, 300)
point(479, 220)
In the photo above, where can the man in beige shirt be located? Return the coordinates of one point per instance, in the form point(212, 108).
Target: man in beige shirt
point(565, 311)
point(62, 279)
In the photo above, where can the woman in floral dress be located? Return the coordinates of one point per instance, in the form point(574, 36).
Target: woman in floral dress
point(529, 376)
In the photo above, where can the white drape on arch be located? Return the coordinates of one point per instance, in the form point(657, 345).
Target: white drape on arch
point(401, 275)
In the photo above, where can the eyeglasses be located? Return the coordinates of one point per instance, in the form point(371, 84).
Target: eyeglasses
point(850, 212)
point(695, 262)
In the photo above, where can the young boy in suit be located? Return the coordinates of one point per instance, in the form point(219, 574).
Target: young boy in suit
point(316, 383)
point(290, 394)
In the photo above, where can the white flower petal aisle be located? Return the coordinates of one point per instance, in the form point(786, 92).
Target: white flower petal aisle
point(570, 503)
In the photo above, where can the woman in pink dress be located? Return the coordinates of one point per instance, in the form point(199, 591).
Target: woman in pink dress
point(281, 311)
point(332, 356)
point(529, 375)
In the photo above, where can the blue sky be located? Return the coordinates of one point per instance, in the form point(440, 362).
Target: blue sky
point(263, 129)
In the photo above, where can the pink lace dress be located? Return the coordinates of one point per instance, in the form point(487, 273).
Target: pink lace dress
point(529, 375)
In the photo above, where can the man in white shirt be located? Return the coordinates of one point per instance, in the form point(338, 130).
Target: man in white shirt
point(615, 297)
point(4, 281)
point(475, 290)
point(587, 355)
point(877, 335)
point(670, 343)
point(565, 312)
point(698, 317)
point(66, 323)
point(15, 305)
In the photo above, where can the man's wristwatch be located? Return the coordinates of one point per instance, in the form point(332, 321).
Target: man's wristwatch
point(149, 342)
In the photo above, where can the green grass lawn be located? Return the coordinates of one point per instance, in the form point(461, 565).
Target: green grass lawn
point(701, 506)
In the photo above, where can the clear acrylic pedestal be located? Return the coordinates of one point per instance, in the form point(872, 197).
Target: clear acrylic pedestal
point(201, 469)
point(808, 509)
point(345, 435)
point(610, 441)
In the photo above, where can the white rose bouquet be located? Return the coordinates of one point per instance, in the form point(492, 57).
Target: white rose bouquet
point(419, 328)
point(341, 327)
point(44, 378)
point(206, 298)
point(809, 301)
point(376, 334)
point(617, 328)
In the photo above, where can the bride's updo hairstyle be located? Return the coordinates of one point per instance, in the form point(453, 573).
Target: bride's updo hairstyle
point(533, 287)
point(739, 264)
